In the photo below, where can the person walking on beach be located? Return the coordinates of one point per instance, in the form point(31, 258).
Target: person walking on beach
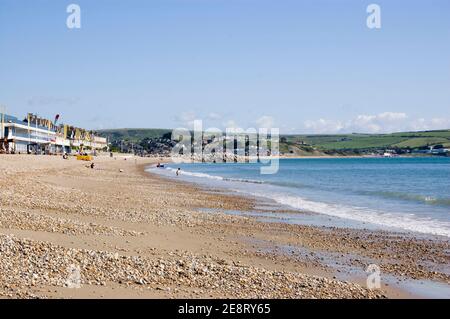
point(178, 171)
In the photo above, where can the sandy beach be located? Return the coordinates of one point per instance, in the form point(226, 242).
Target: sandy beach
point(129, 234)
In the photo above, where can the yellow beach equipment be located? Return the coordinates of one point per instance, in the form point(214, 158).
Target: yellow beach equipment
point(84, 158)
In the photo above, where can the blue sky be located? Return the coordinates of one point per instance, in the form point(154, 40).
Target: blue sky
point(303, 66)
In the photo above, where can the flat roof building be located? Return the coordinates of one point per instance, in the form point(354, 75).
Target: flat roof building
point(42, 136)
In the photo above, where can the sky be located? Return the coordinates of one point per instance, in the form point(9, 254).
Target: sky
point(303, 66)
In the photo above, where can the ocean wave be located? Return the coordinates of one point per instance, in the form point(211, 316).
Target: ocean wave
point(215, 177)
point(403, 221)
point(408, 222)
point(431, 200)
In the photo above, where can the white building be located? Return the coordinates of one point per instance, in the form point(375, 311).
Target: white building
point(41, 136)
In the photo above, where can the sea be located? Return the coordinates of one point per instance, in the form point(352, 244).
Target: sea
point(402, 194)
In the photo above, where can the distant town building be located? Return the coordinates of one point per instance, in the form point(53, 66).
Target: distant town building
point(434, 150)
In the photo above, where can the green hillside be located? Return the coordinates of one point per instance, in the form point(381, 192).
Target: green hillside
point(340, 144)
point(134, 135)
point(372, 141)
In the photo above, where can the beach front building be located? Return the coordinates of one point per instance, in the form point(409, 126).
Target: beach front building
point(25, 137)
point(94, 143)
point(81, 139)
point(42, 136)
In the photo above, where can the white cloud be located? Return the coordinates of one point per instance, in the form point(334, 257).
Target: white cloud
point(383, 122)
point(422, 124)
point(265, 121)
point(186, 118)
point(230, 124)
point(323, 126)
point(386, 122)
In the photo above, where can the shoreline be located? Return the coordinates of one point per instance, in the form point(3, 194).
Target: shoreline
point(189, 160)
point(414, 278)
point(136, 237)
point(288, 199)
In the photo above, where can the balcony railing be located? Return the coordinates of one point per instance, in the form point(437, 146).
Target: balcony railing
point(10, 119)
point(33, 136)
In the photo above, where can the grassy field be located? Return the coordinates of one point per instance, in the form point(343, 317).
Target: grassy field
point(317, 144)
point(373, 141)
point(134, 135)
point(422, 141)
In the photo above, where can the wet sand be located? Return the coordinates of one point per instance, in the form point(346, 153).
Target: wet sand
point(132, 234)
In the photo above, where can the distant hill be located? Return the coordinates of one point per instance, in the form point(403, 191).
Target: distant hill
point(346, 142)
point(311, 145)
point(134, 135)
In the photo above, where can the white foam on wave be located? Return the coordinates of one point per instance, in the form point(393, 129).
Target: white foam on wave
point(213, 177)
point(408, 222)
point(200, 175)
